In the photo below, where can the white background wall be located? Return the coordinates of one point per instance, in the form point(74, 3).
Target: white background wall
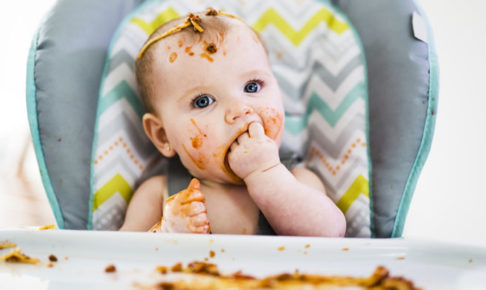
point(450, 199)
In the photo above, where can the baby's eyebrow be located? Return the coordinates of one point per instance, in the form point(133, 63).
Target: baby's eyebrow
point(192, 91)
point(255, 72)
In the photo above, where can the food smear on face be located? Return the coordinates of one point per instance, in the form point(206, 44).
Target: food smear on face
point(188, 50)
point(205, 55)
point(200, 162)
point(221, 157)
point(198, 129)
point(172, 57)
point(272, 121)
point(197, 141)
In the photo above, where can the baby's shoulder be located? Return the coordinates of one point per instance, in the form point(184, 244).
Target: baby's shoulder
point(155, 185)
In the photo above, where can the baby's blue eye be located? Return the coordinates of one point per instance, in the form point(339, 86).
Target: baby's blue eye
point(252, 87)
point(202, 101)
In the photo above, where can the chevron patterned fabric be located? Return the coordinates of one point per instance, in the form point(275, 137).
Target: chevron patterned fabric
point(318, 61)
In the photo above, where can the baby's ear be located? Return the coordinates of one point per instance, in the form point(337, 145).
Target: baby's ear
point(155, 131)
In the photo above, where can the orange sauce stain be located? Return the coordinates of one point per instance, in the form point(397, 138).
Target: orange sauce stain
point(188, 50)
point(180, 43)
point(307, 246)
point(200, 162)
point(345, 249)
point(281, 248)
point(219, 157)
point(199, 129)
point(272, 121)
point(196, 142)
point(212, 254)
point(205, 55)
point(172, 57)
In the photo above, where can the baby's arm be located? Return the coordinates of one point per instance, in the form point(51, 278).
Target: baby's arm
point(293, 204)
point(184, 212)
point(145, 207)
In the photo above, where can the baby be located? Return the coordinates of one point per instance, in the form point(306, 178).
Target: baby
point(212, 99)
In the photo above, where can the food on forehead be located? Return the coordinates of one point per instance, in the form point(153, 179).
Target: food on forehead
point(191, 20)
point(177, 204)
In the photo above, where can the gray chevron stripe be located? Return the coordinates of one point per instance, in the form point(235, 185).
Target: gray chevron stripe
point(333, 187)
point(333, 82)
point(334, 50)
point(119, 58)
point(128, 173)
point(145, 147)
point(334, 149)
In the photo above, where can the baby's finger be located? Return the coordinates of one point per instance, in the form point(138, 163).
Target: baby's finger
point(196, 208)
point(193, 196)
point(256, 130)
point(200, 229)
point(199, 220)
point(243, 137)
point(233, 146)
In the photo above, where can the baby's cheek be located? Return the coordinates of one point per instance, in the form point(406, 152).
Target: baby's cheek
point(272, 121)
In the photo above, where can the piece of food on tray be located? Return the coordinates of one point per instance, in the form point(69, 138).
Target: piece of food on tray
point(47, 227)
point(200, 275)
point(184, 212)
point(7, 244)
point(16, 256)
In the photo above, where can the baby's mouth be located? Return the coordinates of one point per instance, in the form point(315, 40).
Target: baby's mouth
point(226, 161)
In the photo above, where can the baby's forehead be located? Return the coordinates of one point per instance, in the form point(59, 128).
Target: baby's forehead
point(220, 32)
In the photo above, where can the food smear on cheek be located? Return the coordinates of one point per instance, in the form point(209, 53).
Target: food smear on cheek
point(197, 141)
point(172, 57)
point(200, 161)
point(272, 121)
point(220, 157)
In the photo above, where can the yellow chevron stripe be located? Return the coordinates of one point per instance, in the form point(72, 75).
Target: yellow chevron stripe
point(161, 18)
point(116, 184)
point(296, 37)
point(359, 186)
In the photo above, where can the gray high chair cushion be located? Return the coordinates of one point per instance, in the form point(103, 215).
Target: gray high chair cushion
point(401, 110)
point(66, 64)
point(67, 61)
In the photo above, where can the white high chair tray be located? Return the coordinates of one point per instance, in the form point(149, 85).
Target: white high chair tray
point(84, 255)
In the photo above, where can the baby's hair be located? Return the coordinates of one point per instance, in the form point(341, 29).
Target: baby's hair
point(208, 20)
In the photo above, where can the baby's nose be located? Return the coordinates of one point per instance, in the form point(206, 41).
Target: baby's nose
point(236, 111)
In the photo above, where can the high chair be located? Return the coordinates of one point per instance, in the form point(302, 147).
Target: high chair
point(360, 85)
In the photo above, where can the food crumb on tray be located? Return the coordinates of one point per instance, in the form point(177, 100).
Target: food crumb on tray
point(52, 258)
point(7, 244)
point(16, 256)
point(47, 227)
point(110, 268)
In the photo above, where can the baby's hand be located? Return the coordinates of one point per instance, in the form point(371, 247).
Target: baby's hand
point(185, 212)
point(253, 152)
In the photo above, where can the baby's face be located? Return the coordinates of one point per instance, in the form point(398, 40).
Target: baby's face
point(207, 97)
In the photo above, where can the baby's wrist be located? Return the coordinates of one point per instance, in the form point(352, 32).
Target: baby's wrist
point(263, 175)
